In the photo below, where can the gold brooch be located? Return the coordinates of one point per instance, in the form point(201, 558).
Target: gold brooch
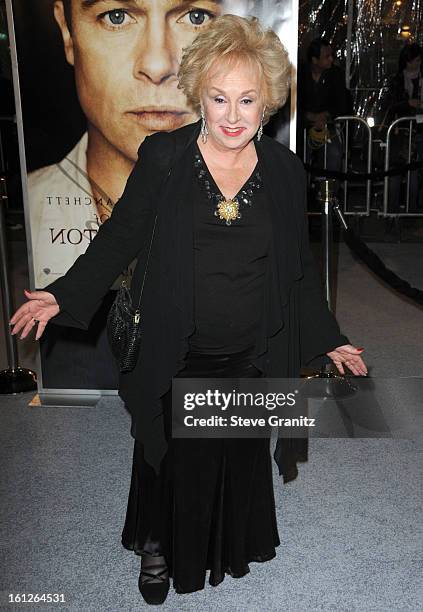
point(228, 210)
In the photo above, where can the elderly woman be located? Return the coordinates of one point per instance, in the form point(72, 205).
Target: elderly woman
point(230, 291)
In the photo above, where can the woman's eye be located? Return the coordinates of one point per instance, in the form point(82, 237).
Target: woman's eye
point(197, 17)
point(246, 101)
point(116, 18)
point(219, 100)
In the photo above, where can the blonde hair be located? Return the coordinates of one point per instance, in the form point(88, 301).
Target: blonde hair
point(228, 40)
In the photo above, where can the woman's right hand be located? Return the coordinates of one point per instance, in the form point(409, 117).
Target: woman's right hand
point(40, 308)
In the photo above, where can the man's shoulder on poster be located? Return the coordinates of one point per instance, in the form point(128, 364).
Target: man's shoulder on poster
point(65, 177)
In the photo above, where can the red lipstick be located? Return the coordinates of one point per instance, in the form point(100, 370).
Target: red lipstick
point(232, 133)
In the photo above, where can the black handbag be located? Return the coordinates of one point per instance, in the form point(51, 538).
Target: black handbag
point(124, 322)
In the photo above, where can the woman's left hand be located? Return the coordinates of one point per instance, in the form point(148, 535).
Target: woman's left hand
point(350, 356)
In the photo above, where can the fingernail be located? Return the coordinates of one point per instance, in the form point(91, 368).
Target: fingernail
point(360, 348)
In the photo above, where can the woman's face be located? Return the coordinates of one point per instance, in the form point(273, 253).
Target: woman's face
point(232, 100)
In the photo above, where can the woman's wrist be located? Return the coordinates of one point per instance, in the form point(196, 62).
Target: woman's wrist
point(56, 297)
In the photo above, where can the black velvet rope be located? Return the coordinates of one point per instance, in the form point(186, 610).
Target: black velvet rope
point(377, 266)
point(363, 176)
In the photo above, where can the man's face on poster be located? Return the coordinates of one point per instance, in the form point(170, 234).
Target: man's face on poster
point(126, 56)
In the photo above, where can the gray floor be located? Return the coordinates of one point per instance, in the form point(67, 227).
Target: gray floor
point(350, 525)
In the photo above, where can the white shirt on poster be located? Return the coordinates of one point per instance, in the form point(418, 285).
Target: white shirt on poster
point(63, 214)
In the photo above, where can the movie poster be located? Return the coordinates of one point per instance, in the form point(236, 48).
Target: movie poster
point(96, 77)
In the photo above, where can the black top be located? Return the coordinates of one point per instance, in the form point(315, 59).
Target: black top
point(415, 82)
point(395, 101)
point(229, 268)
point(328, 94)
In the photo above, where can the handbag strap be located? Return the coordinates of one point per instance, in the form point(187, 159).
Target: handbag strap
point(146, 263)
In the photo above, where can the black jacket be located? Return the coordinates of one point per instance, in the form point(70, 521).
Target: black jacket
point(329, 94)
point(395, 101)
point(297, 325)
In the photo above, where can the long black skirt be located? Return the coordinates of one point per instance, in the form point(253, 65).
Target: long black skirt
point(212, 506)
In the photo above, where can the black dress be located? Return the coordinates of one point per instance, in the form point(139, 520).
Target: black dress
point(212, 505)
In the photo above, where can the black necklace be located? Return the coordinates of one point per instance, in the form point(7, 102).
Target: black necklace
point(227, 210)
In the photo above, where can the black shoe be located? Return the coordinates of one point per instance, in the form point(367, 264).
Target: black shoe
point(153, 582)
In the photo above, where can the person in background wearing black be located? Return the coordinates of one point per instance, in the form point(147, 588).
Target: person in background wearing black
point(322, 96)
point(404, 98)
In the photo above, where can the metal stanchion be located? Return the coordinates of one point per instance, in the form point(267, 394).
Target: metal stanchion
point(337, 385)
point(324, 195)
point(14, 379)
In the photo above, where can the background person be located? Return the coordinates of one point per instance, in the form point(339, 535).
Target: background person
point(231, 230)
point(404, 98)
point(322, 96)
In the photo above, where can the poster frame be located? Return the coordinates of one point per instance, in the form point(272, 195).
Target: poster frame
point(89, 397)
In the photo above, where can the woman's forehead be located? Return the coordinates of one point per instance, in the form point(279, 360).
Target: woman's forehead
point(234, 67)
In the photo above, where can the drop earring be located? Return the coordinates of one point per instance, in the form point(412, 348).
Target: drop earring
point(260, 130)
point(204, 130)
